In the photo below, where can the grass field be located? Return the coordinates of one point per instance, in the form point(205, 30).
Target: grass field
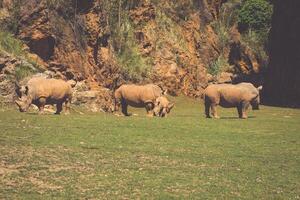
point(184, 156)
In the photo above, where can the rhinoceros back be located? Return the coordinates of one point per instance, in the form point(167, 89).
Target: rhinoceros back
point(137, 95)
point(49, 88)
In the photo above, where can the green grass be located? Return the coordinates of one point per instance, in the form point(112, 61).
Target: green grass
point(10, 44)
point(184, 156)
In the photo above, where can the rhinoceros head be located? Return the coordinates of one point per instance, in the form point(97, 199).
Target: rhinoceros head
point(256, 100)
point(23, 103)
point(21, 90)
point(162, 107)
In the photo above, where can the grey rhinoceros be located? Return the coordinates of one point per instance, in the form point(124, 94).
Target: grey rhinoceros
point(227, 95)
point(42, 91)
point(137, 96)
point(162, 106)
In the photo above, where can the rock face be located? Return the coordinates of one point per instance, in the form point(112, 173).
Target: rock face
point(59, 42)
point(73, 45)
point(73, 39)
point(93, 100)
point(282, 84)
point(9, 73)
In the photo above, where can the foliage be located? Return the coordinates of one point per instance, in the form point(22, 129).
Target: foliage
point(67, 11)
point(135, 66)
point(218, 66)
point(255, 25)
point(24, 70)
point(14, 46)
point(183, 8)
point(65, 7)
point(222, 32)
point(129, 58)
point(10, 44)
point(184, 156)
point(255, 15)
point(256, 41)
point(165, 24)
point(229, 12)
point(11, 23)
point(254, 20)
point(227, 18)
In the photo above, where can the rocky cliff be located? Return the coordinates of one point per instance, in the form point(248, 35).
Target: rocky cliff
point(75, 40)
point(282, 85)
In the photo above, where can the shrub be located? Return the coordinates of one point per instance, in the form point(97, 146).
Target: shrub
point(166, 25)
point(135, 66)
point(218, 66)
point(256, 42)
point(11, 45)
point(24, 70)
point(255, 15)
point(227, 18)
point(11, 23)
point(222, 32)
point(66, 7)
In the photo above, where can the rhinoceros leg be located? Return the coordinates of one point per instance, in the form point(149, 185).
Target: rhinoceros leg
point(240, 110)
point(42, 103)
point(124, 108)
point(245, 106)
point(149, 108)
point(58, 108)
point(214, 111)
point(207, 109)
point(67, 105)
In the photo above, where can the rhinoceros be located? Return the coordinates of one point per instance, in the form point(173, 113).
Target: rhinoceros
point(227, 95)
point(137, 96)
point(42, 91)
point(162, 106)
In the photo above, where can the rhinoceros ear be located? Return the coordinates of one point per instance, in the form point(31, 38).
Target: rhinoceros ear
point(26, 90)
point(165, 92)
point(260, 88)
point(17, 85)
point(17, 89)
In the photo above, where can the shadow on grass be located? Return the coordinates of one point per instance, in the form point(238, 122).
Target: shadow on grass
point(249, 117)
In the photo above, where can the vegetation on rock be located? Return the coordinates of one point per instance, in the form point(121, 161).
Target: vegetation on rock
point(255, 15)
point(10, 44)
point(128, 40)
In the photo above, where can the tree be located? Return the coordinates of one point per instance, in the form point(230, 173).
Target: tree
point(255, 15)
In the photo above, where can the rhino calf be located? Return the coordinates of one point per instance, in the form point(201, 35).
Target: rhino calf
point(42, 91)
point(227, 95)
point(162, 107)
point(138, 96)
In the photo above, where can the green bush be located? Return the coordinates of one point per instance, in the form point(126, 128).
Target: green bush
point(66, 7)
point(227, 18)
point(218, 66)
point(11, 45)
point(24, 70)
point(135, 66)
point(255, 15)
point(222, 31)
point(256, 42)
point(167, 25)
point(11, 23)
